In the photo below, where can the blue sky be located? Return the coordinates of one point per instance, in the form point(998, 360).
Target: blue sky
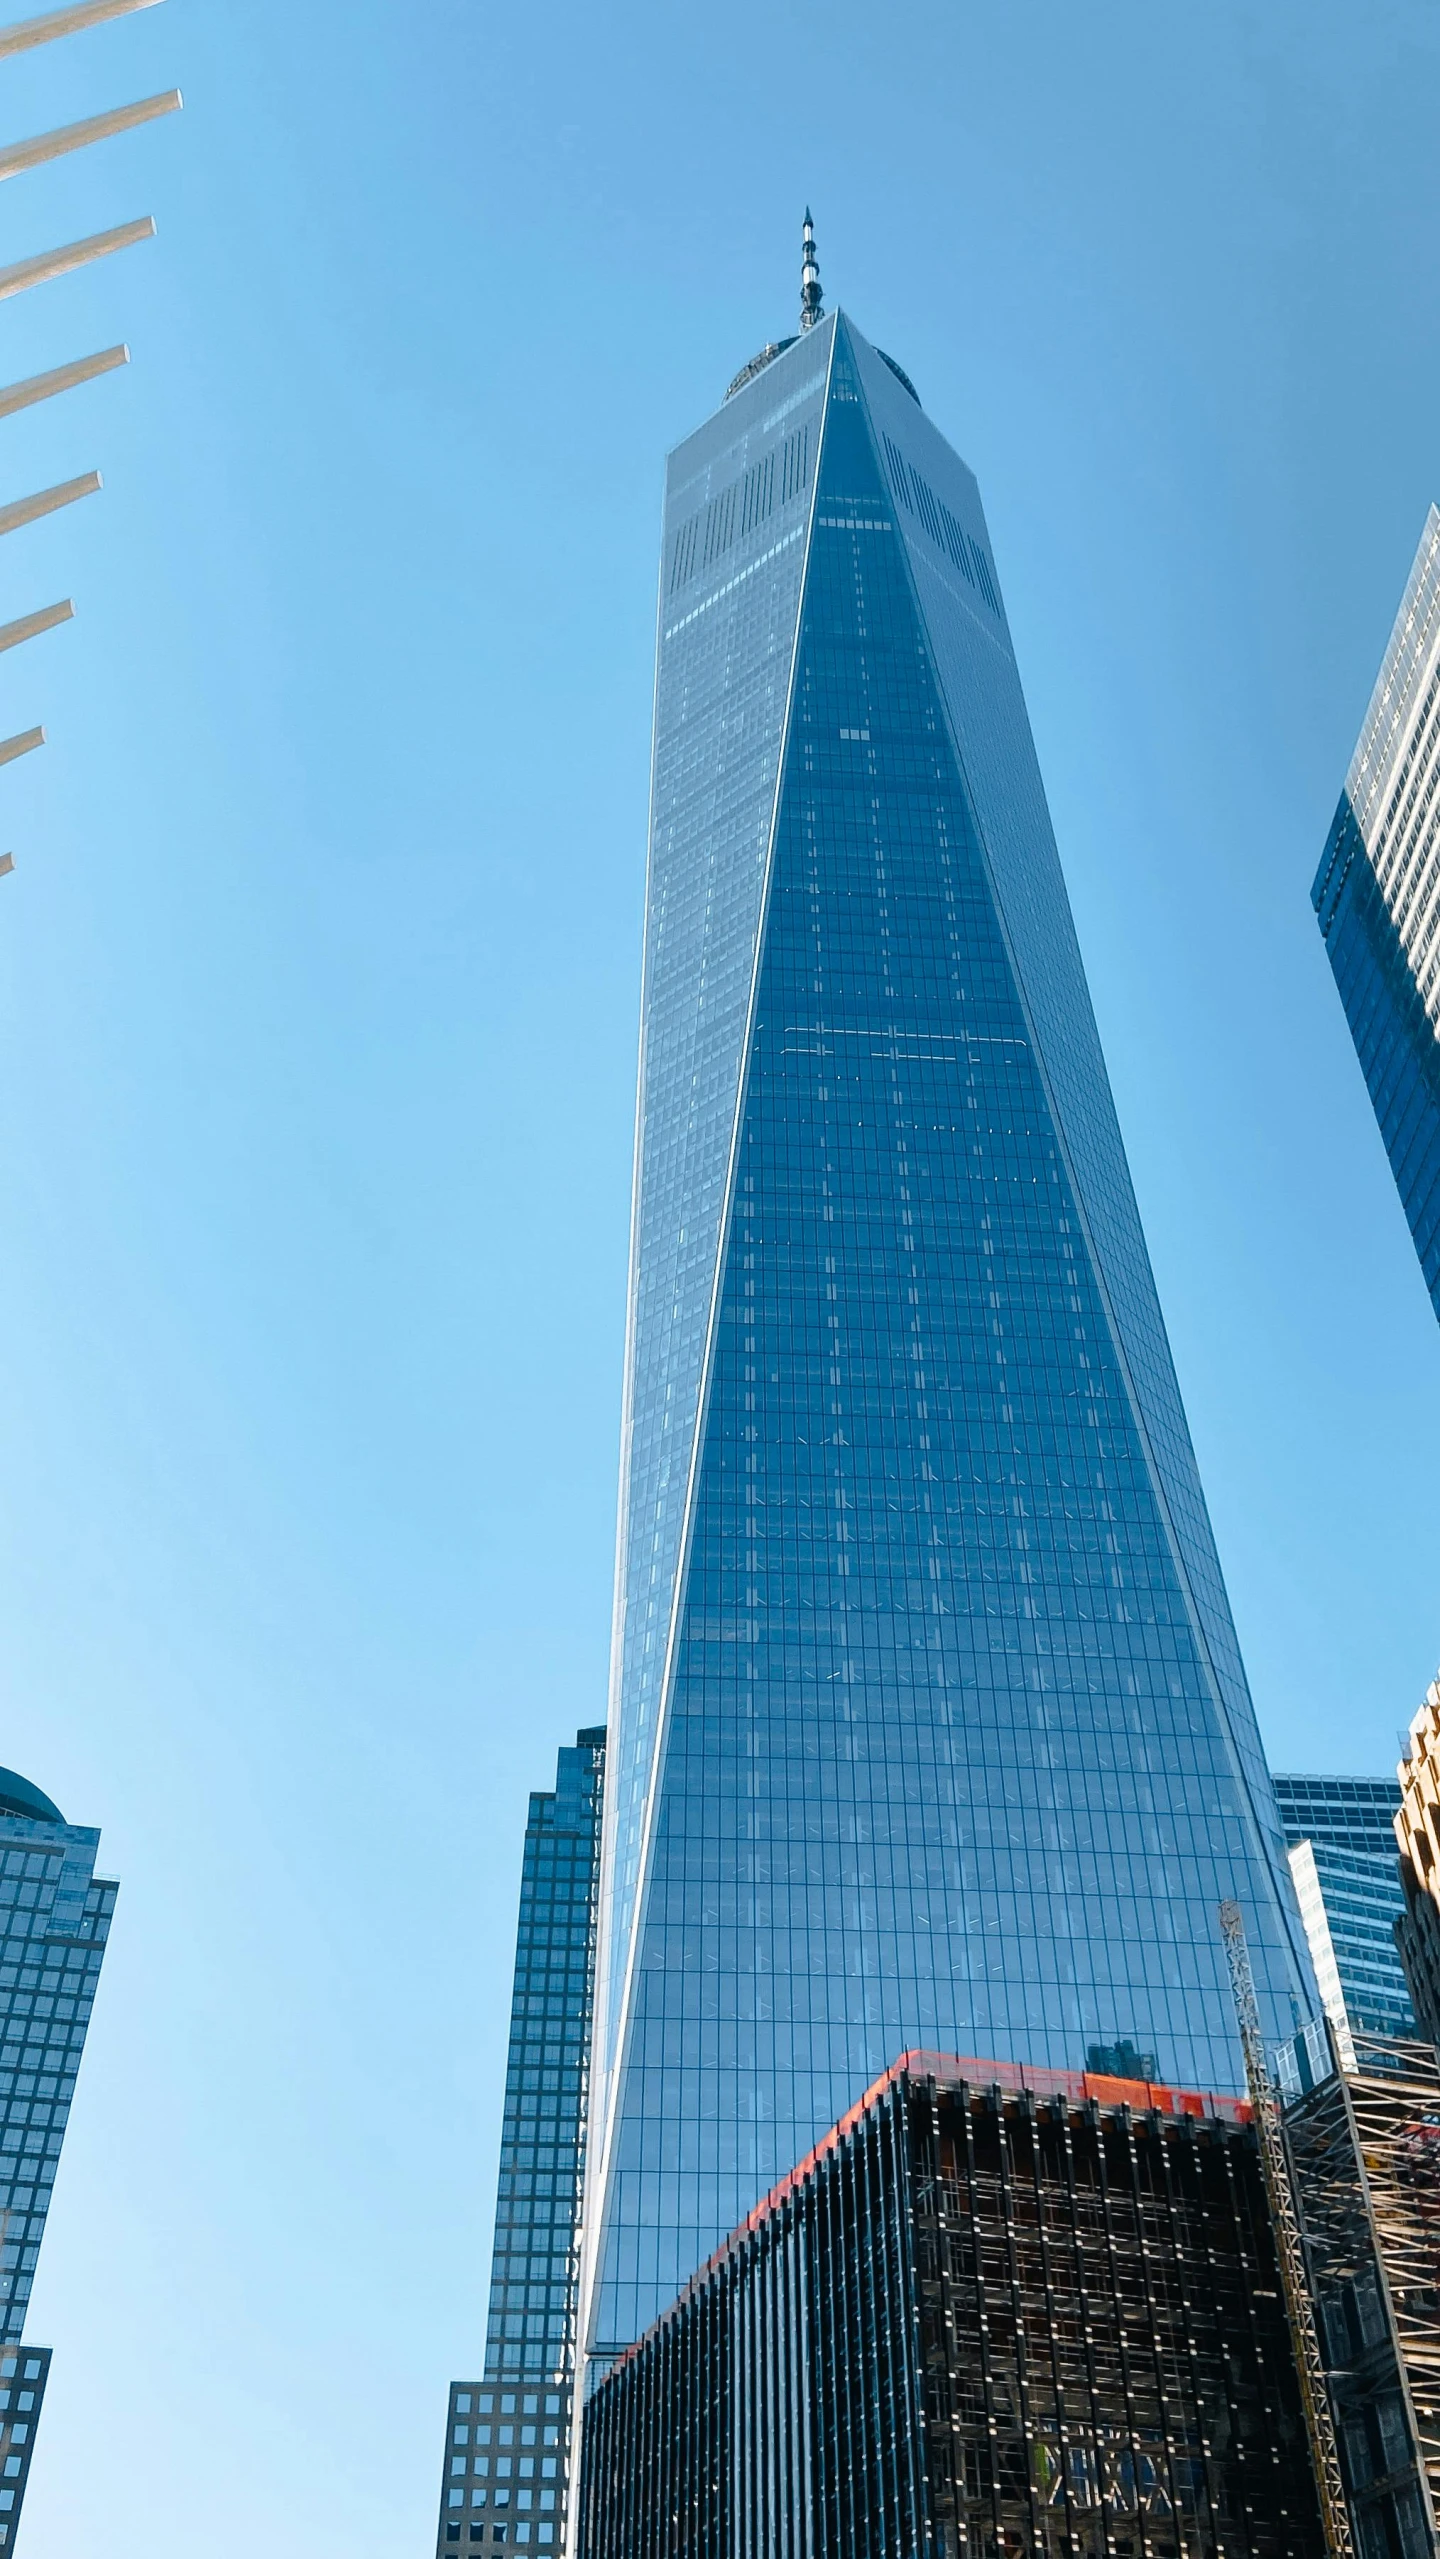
point(318, 985)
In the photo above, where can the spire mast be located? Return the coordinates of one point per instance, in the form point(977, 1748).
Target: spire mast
point(812, 301)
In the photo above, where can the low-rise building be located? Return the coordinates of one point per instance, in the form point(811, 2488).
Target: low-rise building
point(995, 2310)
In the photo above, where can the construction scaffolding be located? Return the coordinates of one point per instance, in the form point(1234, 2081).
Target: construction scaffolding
point(1364, 2148)
point(1294, 2273)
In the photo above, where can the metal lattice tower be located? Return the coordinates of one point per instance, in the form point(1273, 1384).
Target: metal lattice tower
point(1300, 2309)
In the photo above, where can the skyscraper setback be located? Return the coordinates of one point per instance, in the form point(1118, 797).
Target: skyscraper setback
point(928, 1725)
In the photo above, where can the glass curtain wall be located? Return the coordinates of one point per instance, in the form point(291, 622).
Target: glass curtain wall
point(929, 1724)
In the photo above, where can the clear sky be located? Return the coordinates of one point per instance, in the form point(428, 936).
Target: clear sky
point(318, 988)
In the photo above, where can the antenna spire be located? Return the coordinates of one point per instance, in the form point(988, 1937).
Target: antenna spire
point(812, 301)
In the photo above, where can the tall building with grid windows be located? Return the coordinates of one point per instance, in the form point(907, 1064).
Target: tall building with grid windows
point(928, 1724)
point(1340, 1835)
point(1377, 896)
point(54, 1920)
point(507, 2437)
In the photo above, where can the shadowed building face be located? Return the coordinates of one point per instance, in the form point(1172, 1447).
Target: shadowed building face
point(1377, 896)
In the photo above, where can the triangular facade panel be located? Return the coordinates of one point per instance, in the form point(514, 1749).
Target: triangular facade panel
point(737, 510)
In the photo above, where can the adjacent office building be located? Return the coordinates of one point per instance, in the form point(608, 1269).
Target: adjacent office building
point(507, 2447)
point(54, 1920)
point(1377, 895)
point(995, 2310)
point(1417, 1831)
point(1340, 1834)
point(24, 2372)
point(928, 1722)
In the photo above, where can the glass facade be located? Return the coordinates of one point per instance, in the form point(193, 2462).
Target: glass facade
point(1340, 1833)
point(24, 2371)
point(1341, 1812)
point(928, 1720)
point(507, 2437)
point(1377, 897)
point(54, 1920)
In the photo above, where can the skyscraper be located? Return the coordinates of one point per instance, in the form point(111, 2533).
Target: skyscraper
point(507, 2438)
point(54, 1920)
point(1377, 895)
point(1340, 1836)
point(928, 1724)
point(1366, 2171)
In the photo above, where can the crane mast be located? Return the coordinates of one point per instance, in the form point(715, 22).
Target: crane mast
point(1299, 2308)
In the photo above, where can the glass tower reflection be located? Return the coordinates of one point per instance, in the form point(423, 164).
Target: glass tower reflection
point(928, 1723)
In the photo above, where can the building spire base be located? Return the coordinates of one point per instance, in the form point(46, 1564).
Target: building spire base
point(812, 300)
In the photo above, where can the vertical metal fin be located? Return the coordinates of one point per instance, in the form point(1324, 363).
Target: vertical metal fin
point(77, 253)
point(62, 377)
point(18, 156)
point(26, 32)
point(45, 501)
point(30, 625)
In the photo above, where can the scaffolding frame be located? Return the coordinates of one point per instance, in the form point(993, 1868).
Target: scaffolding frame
point(1365, 2150)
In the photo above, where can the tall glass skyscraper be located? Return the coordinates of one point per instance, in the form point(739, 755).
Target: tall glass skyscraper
point(507, 2438)
point(928, 1723)
point(1377, 895)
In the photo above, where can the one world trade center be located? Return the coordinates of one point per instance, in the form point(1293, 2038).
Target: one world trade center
point(928, 1725)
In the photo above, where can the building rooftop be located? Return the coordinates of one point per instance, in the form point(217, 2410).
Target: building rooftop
point(17, 1795)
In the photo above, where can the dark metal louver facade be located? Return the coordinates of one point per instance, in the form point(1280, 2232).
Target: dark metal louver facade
point(980, 2318)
